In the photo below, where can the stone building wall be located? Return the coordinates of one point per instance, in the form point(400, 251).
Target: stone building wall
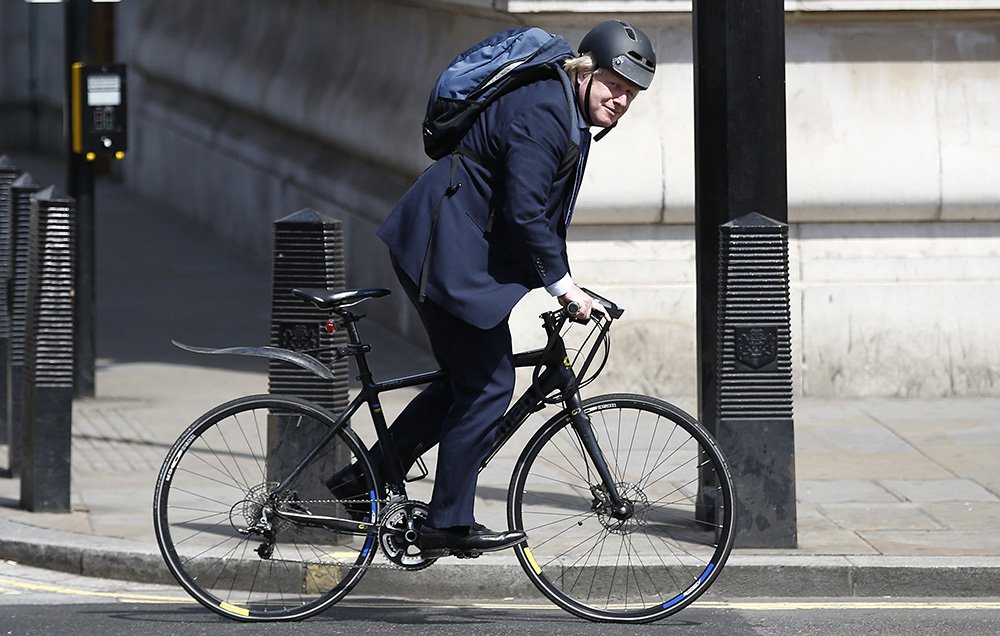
point(243, 111)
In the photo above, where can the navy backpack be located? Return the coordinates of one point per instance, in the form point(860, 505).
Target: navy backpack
point(486, 71)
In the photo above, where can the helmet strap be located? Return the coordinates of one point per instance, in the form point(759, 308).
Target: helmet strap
point(599, 136)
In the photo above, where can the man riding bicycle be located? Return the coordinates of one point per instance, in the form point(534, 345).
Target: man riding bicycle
point(502, 232)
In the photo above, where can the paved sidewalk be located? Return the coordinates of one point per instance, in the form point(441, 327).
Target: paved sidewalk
point(895, 497)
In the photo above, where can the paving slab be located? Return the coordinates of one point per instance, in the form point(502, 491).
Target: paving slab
point(898, 497)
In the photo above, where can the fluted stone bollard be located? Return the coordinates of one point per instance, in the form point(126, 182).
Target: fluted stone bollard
point(308, 252)
point(8, 173)
point(21, 191)
point(47, 412)
point(755, 379)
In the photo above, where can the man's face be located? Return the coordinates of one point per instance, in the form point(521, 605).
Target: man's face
point(610, 96)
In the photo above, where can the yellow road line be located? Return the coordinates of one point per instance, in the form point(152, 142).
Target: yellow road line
point(69, 591)
point(759, 606)
point(16, 587)
point(781, 606)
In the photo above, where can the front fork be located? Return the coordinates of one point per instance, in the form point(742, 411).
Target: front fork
point(559, 374)
point(607, 498)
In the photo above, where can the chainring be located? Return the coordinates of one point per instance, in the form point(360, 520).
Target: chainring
point(397, 534)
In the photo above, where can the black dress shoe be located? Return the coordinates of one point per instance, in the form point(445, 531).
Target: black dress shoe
point(465, 541)
point(348, 486)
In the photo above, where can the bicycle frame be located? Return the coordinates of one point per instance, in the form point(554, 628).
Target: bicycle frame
point(558, 374)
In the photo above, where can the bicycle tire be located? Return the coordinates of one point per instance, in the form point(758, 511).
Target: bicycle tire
point(213, 486)
point(660, 559)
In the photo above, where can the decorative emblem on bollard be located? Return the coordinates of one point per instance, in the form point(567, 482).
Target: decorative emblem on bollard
point(756, 347)
point(298, 336)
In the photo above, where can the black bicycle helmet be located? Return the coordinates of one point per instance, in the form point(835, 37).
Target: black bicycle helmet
point(620, 47)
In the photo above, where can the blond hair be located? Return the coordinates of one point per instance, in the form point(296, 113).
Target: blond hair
point(580, 64)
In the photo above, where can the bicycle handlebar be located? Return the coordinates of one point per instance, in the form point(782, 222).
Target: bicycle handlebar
point(603, 306)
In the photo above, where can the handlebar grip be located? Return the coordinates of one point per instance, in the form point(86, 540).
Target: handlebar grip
point(573, 307)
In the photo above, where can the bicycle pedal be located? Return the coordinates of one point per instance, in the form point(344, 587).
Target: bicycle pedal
point(466, 555)
point(435, 554)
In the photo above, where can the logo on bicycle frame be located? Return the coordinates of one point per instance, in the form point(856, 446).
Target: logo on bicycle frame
point(600, 406)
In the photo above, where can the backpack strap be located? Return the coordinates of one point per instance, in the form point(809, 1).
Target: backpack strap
point(448, 193)
point(572, 154)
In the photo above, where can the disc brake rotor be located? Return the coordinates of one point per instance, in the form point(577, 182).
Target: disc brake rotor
point(639, 510)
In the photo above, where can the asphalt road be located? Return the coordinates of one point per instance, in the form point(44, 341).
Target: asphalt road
point(42, 602)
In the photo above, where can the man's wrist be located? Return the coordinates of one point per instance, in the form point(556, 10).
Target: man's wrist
point(561, 286)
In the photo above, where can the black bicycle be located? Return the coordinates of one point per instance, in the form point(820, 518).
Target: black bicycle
point(626, 500)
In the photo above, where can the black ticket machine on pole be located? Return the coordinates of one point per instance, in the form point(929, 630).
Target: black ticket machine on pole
point(98, 110)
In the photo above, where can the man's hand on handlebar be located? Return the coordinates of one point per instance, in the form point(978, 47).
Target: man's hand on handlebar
point(579, 305)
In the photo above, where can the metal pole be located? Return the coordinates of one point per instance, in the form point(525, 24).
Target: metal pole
point(740, 168)
point(79, 47)
point(740, 152)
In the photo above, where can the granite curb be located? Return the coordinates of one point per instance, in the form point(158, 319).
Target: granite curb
point(500, 576)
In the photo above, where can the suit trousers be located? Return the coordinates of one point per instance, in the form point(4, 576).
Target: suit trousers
point(458, 413)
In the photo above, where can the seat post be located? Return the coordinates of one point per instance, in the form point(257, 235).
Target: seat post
point(354, 335)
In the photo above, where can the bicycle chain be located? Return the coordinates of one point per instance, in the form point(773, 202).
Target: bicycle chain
point(383, 505)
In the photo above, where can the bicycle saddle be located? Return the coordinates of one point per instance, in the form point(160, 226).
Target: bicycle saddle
point(337, 299)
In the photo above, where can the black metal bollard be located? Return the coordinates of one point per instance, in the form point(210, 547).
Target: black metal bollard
point(755, 379)
point(20, 194)
point(47, 413)
point(8, 173)
point(308, 252)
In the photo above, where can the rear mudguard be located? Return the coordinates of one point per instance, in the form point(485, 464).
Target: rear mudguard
point(303, 360)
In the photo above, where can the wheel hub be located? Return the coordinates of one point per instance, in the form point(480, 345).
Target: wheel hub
point(251, 517)
point(632, 515)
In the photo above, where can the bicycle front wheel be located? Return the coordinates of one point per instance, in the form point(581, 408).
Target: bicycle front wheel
point(648, 562)
point(217, 504)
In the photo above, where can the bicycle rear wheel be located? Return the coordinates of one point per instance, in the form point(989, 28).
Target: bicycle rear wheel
point(215, 502)
point(638, 567)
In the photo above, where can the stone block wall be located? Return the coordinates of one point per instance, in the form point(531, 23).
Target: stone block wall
point(243, 111)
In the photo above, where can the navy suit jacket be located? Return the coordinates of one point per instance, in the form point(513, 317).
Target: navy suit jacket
point(503, 231)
